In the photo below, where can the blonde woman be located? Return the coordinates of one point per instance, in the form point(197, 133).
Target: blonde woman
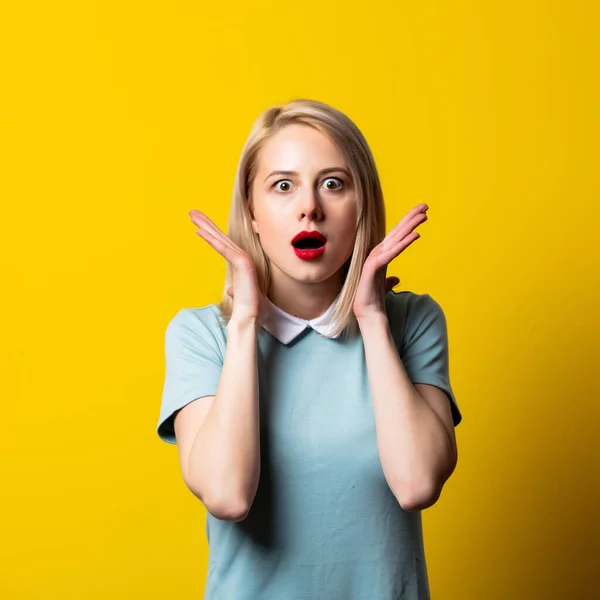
point(312, 407)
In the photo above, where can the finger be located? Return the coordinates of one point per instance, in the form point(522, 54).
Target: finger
point(239, 260)
point(203, 221)
point(203, 218)
point(401, 245)
point(404, 228)
point(383, 256)
point(230, 291)
point(230, 254)
point(416, 211)
point(391, 283)
point(218, 240)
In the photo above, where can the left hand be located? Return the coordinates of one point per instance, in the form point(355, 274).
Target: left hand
point(373, 284)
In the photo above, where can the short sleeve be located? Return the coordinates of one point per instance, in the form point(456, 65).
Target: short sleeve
point(193, 363)
point(424, 347)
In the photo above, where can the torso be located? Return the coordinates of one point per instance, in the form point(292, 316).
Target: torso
point(324, 523)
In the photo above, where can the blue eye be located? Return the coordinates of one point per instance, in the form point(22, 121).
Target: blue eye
point(285, 182)
point(339, 184)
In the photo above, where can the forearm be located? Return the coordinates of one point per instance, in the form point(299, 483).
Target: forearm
point(225, 456)
point(416, 452)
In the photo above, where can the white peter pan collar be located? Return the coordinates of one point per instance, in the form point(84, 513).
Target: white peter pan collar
point(286, 327)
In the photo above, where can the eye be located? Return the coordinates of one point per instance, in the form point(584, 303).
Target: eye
point(283, 185)
point(333, 184)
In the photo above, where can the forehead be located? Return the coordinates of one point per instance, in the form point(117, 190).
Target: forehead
point(300, 148)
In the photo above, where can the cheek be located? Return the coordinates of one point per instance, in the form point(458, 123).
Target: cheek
point(271, 220)
point(264, 224)
point(349, 227)
point(270, 231)
point(350, 236)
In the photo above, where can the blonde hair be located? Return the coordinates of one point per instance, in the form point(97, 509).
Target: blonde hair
point(370, 226)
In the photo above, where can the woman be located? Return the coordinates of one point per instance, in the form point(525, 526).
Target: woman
point(312, 407)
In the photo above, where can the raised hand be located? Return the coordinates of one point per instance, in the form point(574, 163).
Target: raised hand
point(370, 293)
point(249, 304)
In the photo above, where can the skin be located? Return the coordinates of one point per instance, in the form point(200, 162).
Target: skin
point(415, 431)
point(319, 195)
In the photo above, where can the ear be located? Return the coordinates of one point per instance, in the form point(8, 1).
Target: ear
point(252, 218)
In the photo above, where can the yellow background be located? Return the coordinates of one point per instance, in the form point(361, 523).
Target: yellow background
point(119, 117)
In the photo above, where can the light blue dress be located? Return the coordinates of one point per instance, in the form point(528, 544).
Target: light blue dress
point(324, 523)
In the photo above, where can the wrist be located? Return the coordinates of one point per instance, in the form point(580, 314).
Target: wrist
point(372, 318)
point(242, 324)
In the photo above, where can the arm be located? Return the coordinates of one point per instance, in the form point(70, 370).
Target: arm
point(218, 437)
point(220, 444)
point(415, 432)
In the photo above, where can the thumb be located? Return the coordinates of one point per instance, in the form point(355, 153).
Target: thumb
point(230, 291)
point(390, 283)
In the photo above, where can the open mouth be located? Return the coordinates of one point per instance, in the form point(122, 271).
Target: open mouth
point(308, 244)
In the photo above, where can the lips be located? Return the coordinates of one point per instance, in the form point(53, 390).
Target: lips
point(309, 245)
point(309, 240)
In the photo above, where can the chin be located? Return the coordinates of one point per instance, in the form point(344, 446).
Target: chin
point(314, 271)
point(311, 273)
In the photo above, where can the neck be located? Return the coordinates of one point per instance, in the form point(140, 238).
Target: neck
point(304, 300)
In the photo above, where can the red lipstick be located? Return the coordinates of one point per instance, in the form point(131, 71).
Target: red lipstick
point(309, 245)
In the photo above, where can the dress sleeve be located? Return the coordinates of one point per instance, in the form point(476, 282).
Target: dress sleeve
point(193, 365)
point(424, 348)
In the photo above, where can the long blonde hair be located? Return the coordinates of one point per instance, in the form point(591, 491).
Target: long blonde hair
point(370, 226)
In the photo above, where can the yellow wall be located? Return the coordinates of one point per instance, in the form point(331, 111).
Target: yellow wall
point(119, 117)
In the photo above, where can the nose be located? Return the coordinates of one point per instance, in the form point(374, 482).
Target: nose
point(310, 206)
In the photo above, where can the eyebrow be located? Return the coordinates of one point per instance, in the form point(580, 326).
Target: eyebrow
point(321, 172)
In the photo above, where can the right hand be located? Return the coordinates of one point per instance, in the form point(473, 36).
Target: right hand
point(249, 304)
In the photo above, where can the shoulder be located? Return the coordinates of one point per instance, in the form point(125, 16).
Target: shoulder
point(195, 317)
point(409, 312)
point(407, 301)
point(196, 325)
point(411, 304)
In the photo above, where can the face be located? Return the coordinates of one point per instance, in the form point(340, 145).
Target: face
point(303, 183)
